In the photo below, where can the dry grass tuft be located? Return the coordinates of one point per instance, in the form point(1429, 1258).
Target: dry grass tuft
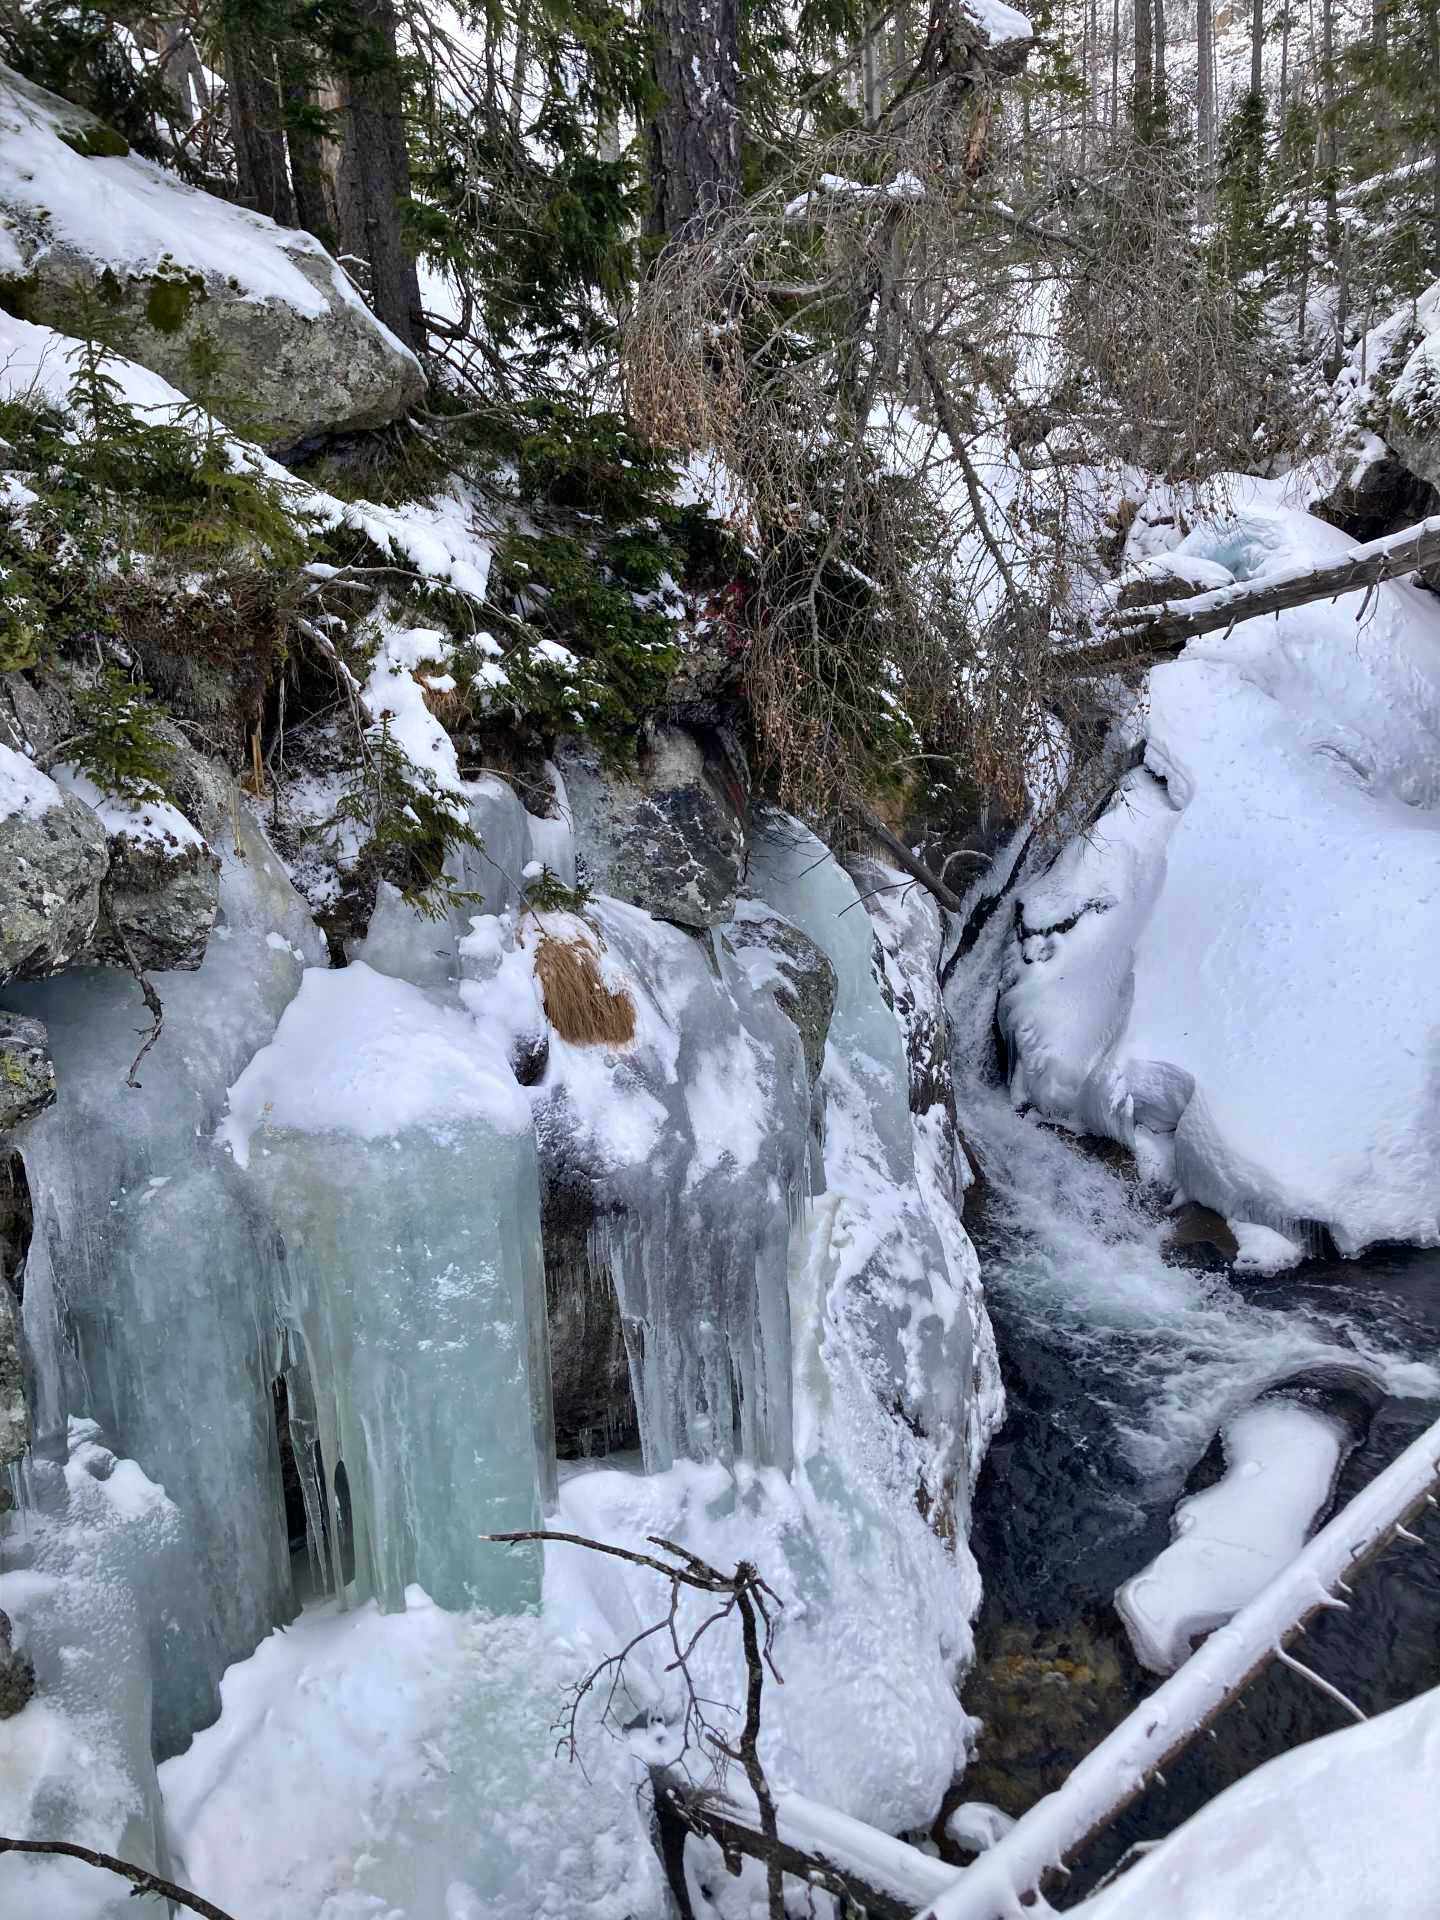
point(578, 1004)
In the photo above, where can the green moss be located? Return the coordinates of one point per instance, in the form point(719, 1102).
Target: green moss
point(96, 142)
point(167, 305)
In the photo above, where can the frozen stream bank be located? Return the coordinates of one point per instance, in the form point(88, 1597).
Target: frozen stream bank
point(1120, 1364)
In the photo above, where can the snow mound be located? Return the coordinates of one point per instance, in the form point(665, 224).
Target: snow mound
point(360, 1053)
point(1232, 972)
point(1341, 1829)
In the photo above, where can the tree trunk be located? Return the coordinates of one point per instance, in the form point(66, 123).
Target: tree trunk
point(1114, 68)
point(257, 126)
point(1205, 97)
point(1143, 107)
point(1257, 48)
point(314, 189)
point(694, 133)
point(374, 184)
point(1161, 103)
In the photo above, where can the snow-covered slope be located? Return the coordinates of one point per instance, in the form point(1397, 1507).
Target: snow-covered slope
point(1233, 972)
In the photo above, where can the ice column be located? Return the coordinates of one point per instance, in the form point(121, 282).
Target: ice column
point(397, 1163)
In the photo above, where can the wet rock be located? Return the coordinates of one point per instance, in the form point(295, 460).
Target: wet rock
point(667, 835)
point(589, 1365)
point(1046, 1698)
point(27, 1074)
point(800, 975)
point(14, 1415)
point(53, 857)
point(17, 1673)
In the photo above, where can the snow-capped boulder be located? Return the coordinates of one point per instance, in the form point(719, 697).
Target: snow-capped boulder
point(82, 220)
point(52, 860)
point(162, 891)
point(666, 836)
point(1414, 423)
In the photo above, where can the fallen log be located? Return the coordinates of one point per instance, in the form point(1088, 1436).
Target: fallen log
point(1141, 636)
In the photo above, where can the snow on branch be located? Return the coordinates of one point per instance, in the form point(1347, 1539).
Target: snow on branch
point(1141, 635)
point(1110, 1776)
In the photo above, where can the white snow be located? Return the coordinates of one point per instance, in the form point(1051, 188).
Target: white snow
point(152, 821)
point(23, 787)
point(1246, 991)
point(1002, 23)
point(1281, 1459)
point(395, 691)
point(360, 1053)
point(1341, 1829)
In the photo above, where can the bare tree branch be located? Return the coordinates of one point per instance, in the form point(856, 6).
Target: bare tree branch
point(141, 1879)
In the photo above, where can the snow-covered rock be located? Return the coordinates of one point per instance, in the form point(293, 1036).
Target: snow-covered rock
point(1232, 971)
point(299, 350)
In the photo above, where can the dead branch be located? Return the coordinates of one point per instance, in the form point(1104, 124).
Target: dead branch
point(142, 1881)
point(1143, 635)
point(153, 1004)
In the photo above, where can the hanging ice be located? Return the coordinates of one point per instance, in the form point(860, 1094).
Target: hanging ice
point(397, 1164)
point(145, 1301)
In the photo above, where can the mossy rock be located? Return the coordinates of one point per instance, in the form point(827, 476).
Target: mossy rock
point(96, 142)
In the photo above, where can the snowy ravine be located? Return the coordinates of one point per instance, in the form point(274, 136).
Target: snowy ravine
point(1232, 973)
point(327, 1200)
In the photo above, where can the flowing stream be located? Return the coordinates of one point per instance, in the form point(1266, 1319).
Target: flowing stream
point(1120, 1362)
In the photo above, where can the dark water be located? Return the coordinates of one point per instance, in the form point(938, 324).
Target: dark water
point(1119, 1366)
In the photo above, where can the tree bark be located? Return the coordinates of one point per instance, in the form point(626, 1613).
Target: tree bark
point(374, 183)
point(310, 178)
point(1143, 105)
point(1257, 45)
point(694, 133)
point(257, 126)
point(1205, 96)
point(1161, 102)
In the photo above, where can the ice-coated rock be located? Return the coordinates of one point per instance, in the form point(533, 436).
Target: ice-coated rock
point(17, 1673)
point(775, 953)
point(147, 1303)
point(27, 1073)
point(667, 835)
point(14, 1416)
point(299, 352)
point(102, 1558)
point(52, 860)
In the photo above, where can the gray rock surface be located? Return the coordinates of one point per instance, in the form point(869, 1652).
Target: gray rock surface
point(298, 351)
point(14, 1415)
point(666, 835)
point(17, 1673)
point(27, 1075)
point(804, 981)
point(52, 859)
point(161, 895)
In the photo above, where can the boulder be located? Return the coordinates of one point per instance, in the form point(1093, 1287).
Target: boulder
point(256, 322)
point(162, 891)
point(52, 859)
point(666, 835)
point(27, 1075)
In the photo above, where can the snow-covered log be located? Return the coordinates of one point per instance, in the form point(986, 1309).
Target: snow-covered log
point(1138, 636)
point(1109, 1777)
